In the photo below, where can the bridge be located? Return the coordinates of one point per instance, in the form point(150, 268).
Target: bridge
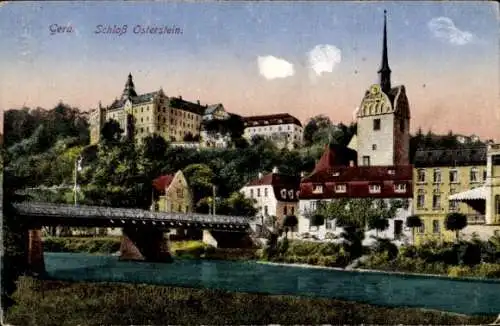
point(143, 231)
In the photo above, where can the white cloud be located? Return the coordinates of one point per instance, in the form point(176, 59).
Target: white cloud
point(272, 67)
point(323, 58)
point(444, 28)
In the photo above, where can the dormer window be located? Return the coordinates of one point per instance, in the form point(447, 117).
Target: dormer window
point(290, 194)
point(341, 188)
point(374, 188)
point(391, 172)
point(283, 193)
point(400, 188)
point(336, 174)
point(318, 189)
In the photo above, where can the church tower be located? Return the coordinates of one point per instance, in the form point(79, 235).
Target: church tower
point(383, 133)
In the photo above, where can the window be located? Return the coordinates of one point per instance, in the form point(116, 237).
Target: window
point(366, 160)
point(497, 204)
point(376, 124)
point(187, 209)
point(420, 198)
point(436, 201)
point(258, 192)
point(453, 205)
point(374, 188)
point(266, 211)
point(398, 229)
point(328, 224)
point(453, 176)
point(374, 147)
point(400, 187)
point(265, 192)
point(341, 188)
point(485, 175)
point(474, 177)
point(318, 189)
point(421, 175)
point(251, 193)
point(292, 210)
point(421, 229)
point(437, 176)
point(435, 226)
point(285, 211)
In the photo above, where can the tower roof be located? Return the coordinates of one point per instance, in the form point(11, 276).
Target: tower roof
point(385, 71)
point(129, 90)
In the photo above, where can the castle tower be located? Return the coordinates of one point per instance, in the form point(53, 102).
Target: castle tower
point(383, 135)
point(129, 90)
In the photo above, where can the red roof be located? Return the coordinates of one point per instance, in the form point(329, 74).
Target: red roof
point(162, 182)
point(357, 181)
point(335, 155)
point(285, 187)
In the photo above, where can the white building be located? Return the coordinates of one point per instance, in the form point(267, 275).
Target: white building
point(283, 129)
point(275, 195)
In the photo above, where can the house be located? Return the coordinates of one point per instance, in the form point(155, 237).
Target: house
point(283, 129)
point(483, 199)
point(333, 179)
point(174, 193)
point(275, 195)
point(214, 133)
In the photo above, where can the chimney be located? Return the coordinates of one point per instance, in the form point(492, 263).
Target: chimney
point(180, 97)
point(198, 101)
point(351, 163)
point(275, 170)
point(260, 175)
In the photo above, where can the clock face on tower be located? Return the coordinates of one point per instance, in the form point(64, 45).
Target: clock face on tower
point(375, 89)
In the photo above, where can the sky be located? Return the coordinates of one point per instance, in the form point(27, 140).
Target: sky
point(258, 57)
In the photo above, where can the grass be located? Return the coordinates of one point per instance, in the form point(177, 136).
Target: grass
point(64, 303)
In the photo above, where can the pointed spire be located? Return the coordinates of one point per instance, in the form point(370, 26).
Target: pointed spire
point(129, 89)
point(385, 71)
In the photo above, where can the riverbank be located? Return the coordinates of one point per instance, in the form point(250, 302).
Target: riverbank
point(79, 303)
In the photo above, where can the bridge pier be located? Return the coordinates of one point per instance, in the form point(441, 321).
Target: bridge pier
point(144, 244)
point(36, 263)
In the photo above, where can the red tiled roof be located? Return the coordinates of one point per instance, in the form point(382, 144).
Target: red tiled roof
point(357, 180)
point(335, 155)
point(285, 187)
point(162, 182)
point(272, 119)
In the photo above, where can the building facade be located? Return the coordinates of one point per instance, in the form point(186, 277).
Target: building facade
point(283, 129)
point(438, 174)
point(175, 193)
point(275, 195)
point(215, 138)
point(152, 113)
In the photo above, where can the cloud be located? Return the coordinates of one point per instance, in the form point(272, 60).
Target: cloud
point(444, 28)
point(272, 67)
point(323, 58)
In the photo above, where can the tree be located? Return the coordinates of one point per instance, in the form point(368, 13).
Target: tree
point(111, 131)
point(455, 222)
point(413, 221)
point(354, 215)
point(200, 178)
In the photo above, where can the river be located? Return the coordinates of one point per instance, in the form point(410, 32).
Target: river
point(453, 295)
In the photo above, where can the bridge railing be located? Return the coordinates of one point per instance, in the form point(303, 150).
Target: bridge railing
point(84, 211)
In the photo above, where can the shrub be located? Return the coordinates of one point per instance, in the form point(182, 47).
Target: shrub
point(459, 271)
point(488, 270)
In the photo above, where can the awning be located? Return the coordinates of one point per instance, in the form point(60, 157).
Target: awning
point(472, 194)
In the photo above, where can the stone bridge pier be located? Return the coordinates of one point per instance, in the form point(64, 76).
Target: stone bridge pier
point(36, 263)
point(144, 243)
